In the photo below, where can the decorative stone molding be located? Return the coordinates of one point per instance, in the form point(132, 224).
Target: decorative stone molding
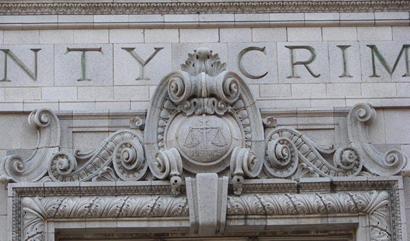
point(374, 204)
point(37, 7)
point(36, 210)
point(209, 207)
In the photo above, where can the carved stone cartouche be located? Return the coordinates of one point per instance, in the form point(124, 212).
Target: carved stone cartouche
point(203, 119)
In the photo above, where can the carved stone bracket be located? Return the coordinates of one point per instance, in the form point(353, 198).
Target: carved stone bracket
point(384, 164)
point(15, 168)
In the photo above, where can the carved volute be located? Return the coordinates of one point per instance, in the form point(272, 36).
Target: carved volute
point(204, 119)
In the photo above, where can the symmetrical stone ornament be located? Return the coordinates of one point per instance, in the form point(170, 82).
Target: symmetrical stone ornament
point(203, 119)
point(205, 137)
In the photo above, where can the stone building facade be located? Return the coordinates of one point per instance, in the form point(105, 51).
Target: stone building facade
point(204, 120)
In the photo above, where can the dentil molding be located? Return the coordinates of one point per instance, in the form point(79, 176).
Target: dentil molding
point(28, 7)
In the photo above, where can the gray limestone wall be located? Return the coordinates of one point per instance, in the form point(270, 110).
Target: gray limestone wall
point(307, 69)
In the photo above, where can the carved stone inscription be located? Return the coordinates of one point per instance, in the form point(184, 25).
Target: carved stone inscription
point(295, 61)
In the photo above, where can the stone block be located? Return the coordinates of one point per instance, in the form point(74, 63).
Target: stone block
point(387, 53)
point(17, 134)
point(396, 127)
point(287, 19)
point(309, 59)
point(131, 92)
point(343, 89)
point(56, 36)
point(308, 90)
point(392, 18)
point(139, 105)
point(2, 94)
point(95, 93)
point(403, 89)
point(327, 102)
point(83, 65)
point(111, 18)
point(216, 17)
point(339, 33)
point(146, 18)
point(21, 37)
point(199, 35)
point(305, 34)
point(255, 62)
point(180, 53)
point(235, 35)
point(374, 33)
point(33, 105)
point(75, 19)
point(59, 93)
point(181, 18)
point(128, 70)
point(25, 55)
point(356, 18)
point(401, 33)
point(22, 93)
point(378, 89)
point(113, 105)
point(245, 17)
point(268, 34)
point(11, 106)
point(344, 62)
point(275, 90)
point(82, 106)
point(322, 18)
point(126, 35)
point(91, 36)
point(161, 35)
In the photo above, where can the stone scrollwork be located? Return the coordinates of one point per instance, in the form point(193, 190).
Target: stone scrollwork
point(207, 117)
point(123, 149)
point(288, 151)
point(18, 169)
point(383, 164)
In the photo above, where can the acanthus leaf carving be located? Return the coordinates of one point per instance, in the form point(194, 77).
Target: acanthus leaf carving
point(374, 204)
point(38, 209)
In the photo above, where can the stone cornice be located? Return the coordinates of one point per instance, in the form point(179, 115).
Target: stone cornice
point(34, 7)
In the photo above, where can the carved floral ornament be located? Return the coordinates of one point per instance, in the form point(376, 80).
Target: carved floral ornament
point(203, 119)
